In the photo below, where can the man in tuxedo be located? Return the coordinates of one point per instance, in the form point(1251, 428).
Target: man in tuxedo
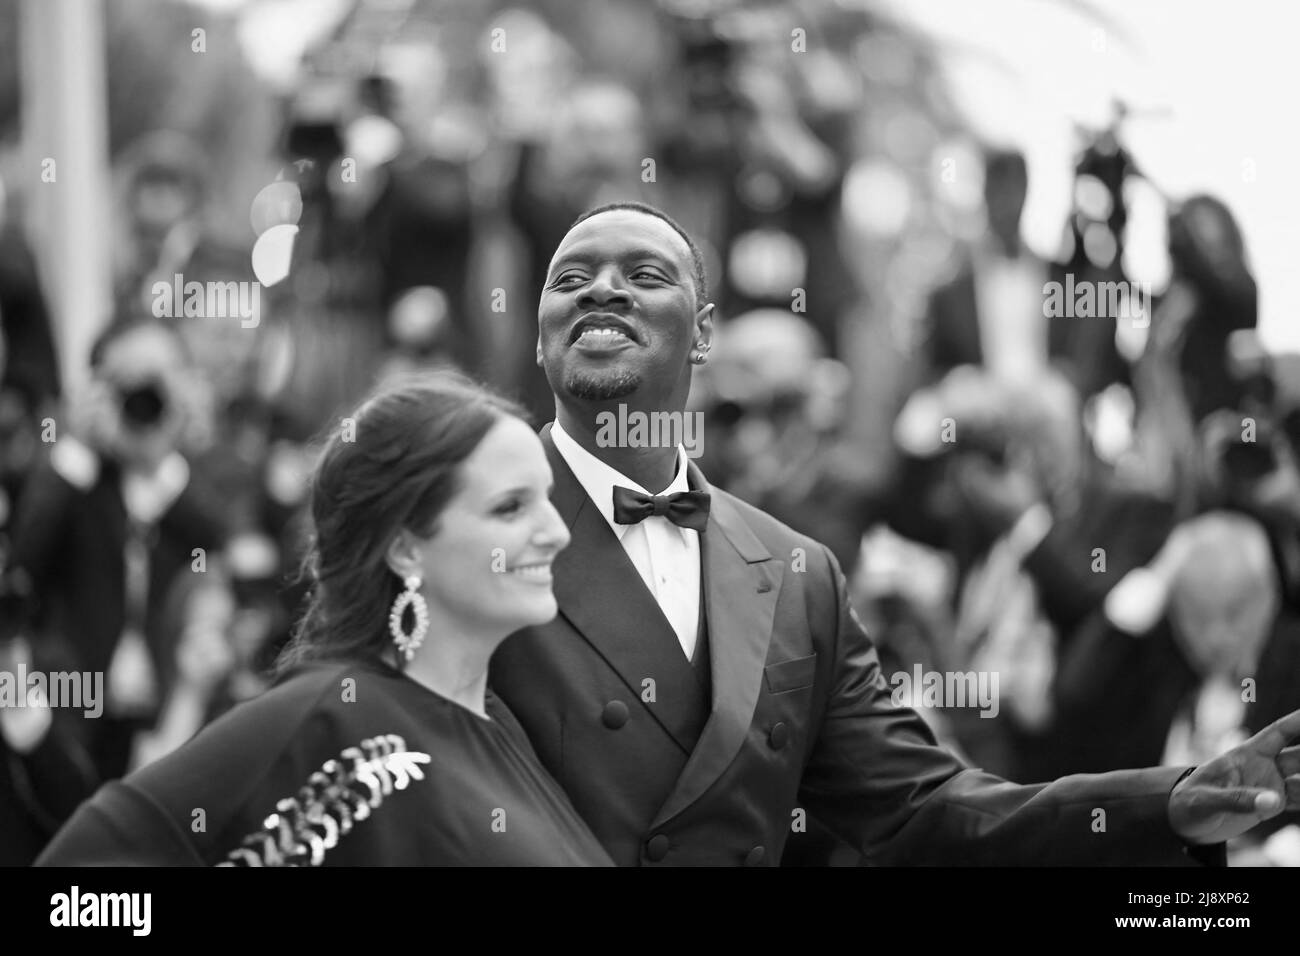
point(706, 687)
point(989, 313)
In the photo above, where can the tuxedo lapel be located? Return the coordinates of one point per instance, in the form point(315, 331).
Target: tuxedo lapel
point(600, 593)
point(741, 582)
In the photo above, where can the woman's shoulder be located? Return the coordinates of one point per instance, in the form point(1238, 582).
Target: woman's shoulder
point(326, 685)
point(268, 748)
point(315, 683)
point(274, 714)
point(326, 732)
point(335, 695)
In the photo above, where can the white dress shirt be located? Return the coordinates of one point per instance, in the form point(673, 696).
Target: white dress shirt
point(666, 556)
point(1009, 307)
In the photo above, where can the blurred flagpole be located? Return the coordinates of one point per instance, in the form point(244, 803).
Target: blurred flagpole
point(65, 152)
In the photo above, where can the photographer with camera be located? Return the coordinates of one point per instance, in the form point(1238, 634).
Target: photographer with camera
point(107, 525)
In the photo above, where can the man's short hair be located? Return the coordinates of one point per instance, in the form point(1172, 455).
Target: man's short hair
point(697, 260)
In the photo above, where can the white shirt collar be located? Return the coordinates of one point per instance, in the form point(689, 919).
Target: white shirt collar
point(598, 479)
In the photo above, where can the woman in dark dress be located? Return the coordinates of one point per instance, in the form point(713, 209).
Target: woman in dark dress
point(381, 744)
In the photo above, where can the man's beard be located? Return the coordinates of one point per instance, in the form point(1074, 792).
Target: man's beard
point(602, 387)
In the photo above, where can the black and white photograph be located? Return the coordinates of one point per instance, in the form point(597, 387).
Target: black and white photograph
point(650, 433)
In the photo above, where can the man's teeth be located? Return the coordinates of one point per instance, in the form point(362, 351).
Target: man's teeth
point(605, 332)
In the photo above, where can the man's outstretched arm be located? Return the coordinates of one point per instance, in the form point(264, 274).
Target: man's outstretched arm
point(877, 778)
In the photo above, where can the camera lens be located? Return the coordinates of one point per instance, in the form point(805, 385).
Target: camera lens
point(143, 405)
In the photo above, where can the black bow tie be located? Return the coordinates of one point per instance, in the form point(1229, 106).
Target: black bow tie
point(686, 509)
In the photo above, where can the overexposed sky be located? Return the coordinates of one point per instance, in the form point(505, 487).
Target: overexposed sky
point(1213, 86)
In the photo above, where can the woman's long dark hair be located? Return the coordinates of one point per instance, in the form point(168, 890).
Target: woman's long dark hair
point(395, 464)
point(1207, 249)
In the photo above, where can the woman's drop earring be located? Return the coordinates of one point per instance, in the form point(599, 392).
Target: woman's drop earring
point(408, 644)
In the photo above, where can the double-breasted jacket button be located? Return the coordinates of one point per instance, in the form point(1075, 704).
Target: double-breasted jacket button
point(755, 856)
point(779, 736)
point(656, 847)
point(614, 715)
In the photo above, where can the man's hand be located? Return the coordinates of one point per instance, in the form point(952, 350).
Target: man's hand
point(1247, 785)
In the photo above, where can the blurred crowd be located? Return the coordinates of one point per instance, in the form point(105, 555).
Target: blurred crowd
point(1103, 511)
